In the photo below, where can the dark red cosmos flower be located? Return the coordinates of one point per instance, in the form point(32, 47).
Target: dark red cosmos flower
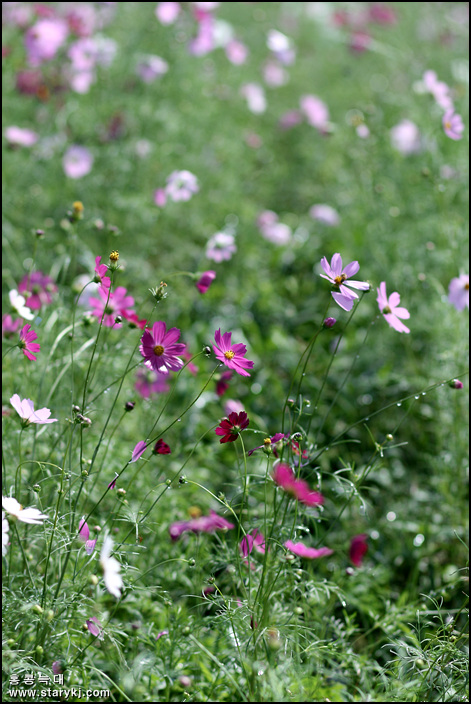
point(230, 427)
point(358, 549)
point(161, 448)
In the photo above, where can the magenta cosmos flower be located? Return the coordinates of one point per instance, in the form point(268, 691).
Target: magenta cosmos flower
point(84, 535)
point(358, 549)
point(391, 310)
point(9, 326)
point(111, 305)
point(161, 448)
point(306, 552)
point(25, 409)
point(202, 524)
point(229, 428)
point(340, 278)
point(27, 344)
point(77, 162)
point(233, 356)
point(205, 280)
point(44, 40)
point(253, 540)
point(458, 292)
point(160, 348)
point(138, 451)
point(37, 288)
point(100, 274)
point(284, 477)
point(453, 125)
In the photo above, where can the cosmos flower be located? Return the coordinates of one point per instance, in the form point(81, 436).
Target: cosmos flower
point(95, 628)
point(391, 310)
point(112, 484)
point(9, 326)
point(253, 540)
point(111, 569)
point(25, 410)
point(167, 12)
point(221, 247)
point(458, 292)
point(77, 162)
point(84, 535)
point(149, 382)
point(100, 274)
point(306, 552)
point(202, 524)
point(161, 448)
point(222, 383)
point(269, 443)
point(358, 549)
point(25, 515)
point(38, 289)
point(229, 428)
point(453, 124)
point(405, 138)
point(139, 450)
point(112, 304)
point(160, 348)
point(20, 137)
point(325, 214)
point(273, 230)
point(205, 280)
point(233, 356)
point(44, 39)
point(151, 67)
point(284, 477)
point(255, 97)
point(340, 278)
point(315, 111)
point(181, 186)
point(27, 344)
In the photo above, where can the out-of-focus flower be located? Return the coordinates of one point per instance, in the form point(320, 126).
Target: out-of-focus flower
point(315, 111)
point(358, 549)
point(281, 46)
point(271, 444)
point(391, 310)
point(27, 344)
point(273, 230)
point(84, 535)
point(25, 515)
point(205, 281)
point(25, 409)
point(38, 289)
point(181, 186)
point(100, 274)
point(274, 74)
point(160, 634)
point(284, 477)
point(44, 39)
point(167, 12)
point(290, 119)
point(221, 383)
point(255, 96)
point(95, 628)
point(405, 137)
point(160, 348)
point(230, 428)
point(232, 405)
point(77, 162)
point(360, 41)
point(329, 322)
point(5, 530)
point(151, 67)
point(340, 278)
point(112, 304)
point(439, 89)
point(453, 125)
point(306, 552)
point(139, 450)
point(111, 569)
point(253, 540)
point(82, 19)
point(202, 524)
point(325, 214)
point(236, 52)
point(9, 326)
point(17, 302)
point(161, 448)
point(29, 82)
point(233, 356)
point(149, 382)
point(204, 42)
point(160, 197)
point(381, 13)
point(221, 247)
point(20, 137)
point(458, 292)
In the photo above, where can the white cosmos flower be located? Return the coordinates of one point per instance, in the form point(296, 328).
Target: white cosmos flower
point(111, 568)
point(17, 302)
point(5, 529)
point(26, 515)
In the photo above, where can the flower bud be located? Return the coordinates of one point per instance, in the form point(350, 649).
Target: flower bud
point(128, 406)
point(455, 384)
point(159, 293)
point(207, 351)
point(329, 323)
point(114, 258)
point(39, 234)
point(38, 609)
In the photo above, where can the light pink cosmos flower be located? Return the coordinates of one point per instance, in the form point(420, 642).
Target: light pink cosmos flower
point(253, 540)
point(149, 382)
point(44, 39)
point(221, 247)
point(84, 535)
point(160, 197)
point(233, 356)
point(20, 137)
point(181, 186)
point(273, 230)
point(25, 409)
point(255, 96)
point(439, 89)
point(167, 12)
point(151, 67)
point(236, 52)
point(391, 310)
point(358, 549)
point(274, 74)
point(38, 289)
point(204, 42)
point(458, 292)
point(95, 628)
point(9, 326)
point(281, 46)
point(27, 344)
point(290, 119)
point(139, 450)
point(205, 280)
point(340, 277)
point(82, 19)
point(284, 477)
point(325, 214)
point(26, 515)
point(100, 274)
point(111, 305)
point(306, 552)
point(405, 137)
point(203, 524)
point(453, 125)
point(77, 162)
point(161, 349)
point(316, 112)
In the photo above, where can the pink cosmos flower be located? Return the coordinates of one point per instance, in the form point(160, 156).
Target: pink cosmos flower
point(151, 67)
point(77, 162)
point(229, 428)
point(203, 524)
point(221, 384)
point(439, 89)
point(306, 552)
point(284, 477)
point(19, 137)
point(133, 320)
point(160, 348)
point(111, 305)
point(44, 39)
point(340, 278)
point(181, 186)
point(100, 274)
point(458, 292)
point(95, 628)
point(161, 448)
point(290, 119)
point(316, 112)
point(252, 540)
point(160, 634)
point(358, 549)
point(139, 450)
point(255, 96)
point(27, 344)
point(9, 326)
point(149, 382)
point(205, 281)
point(391, 310)
point(84, 535)
point(204, 42)
point(382, 14)
point(325, 214)
point(221, 247)
point(273, 230)
point(453, 124)
point(233, 356)
point(25, 515)
point(29, 82)
point(167, 12)
point(405, 137)
point(232, 405)
point(191, 366)
point(112, 484)
point(82, 19)
point(38, 289)
point(329, 322)
point(236, 52)
point(274, 74)
point(160, 197)
point(25, 409)
point(281, 46)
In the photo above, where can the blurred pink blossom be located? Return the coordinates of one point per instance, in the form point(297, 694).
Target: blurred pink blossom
point(151, 67)
point(77, 162)
point(453, 125)
point(221, 247)
point(304, 551)
point(236, 52)
point(255, 96)
point(458, 292)
point(167, 12)
point(405, 137)
point(44, 39)
point(181, 186)
point(325, 214)
point(20, 137)
point(315, 111)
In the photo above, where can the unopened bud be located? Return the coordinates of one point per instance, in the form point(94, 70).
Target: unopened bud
point(39, 234)
point(159, 292)
point(129, 405)
point(114, 258)
point(207, 350)
point(329, 323)
point(455, 384)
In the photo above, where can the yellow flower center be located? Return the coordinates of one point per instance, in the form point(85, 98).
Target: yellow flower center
point(229, 354)
point(114, 256)
point(448, 125)
point(340, 279)
point(267, 442)
point(158, 350)
point(466, 287)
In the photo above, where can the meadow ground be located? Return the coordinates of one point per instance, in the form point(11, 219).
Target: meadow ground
point(172, 173)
